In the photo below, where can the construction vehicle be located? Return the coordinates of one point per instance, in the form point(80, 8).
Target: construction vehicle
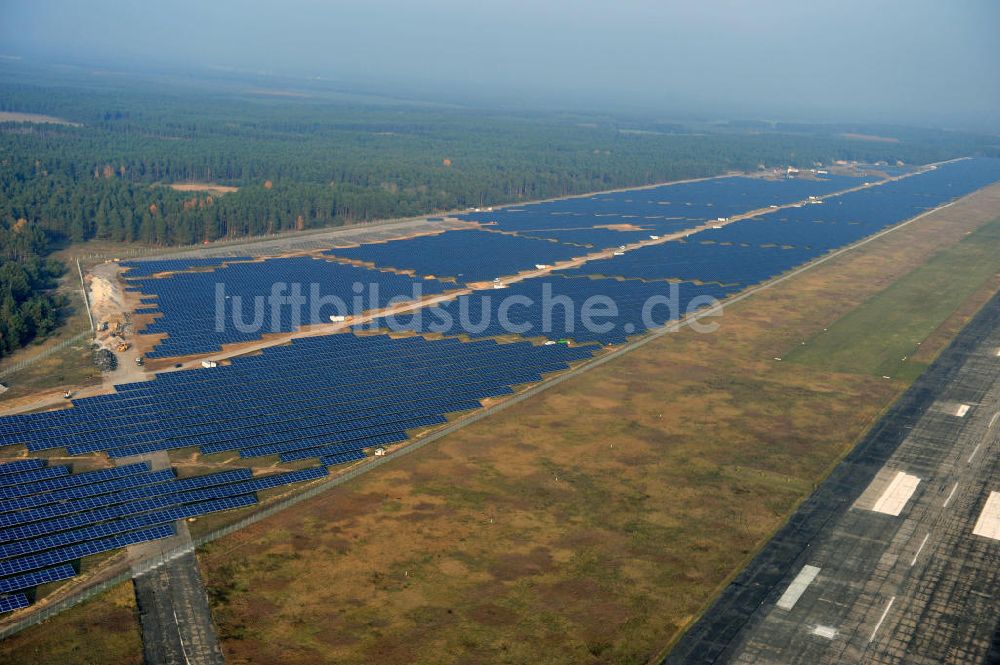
point(123, 347)
point(208, 364)
point(67, 395)
point(138, 361)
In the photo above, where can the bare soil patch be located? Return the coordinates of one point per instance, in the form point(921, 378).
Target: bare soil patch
point(869, 137)
point(9, 116)
point(202, 187)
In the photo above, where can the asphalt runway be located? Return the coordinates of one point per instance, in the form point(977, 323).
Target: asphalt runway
point(176, 621)
point(881, 564)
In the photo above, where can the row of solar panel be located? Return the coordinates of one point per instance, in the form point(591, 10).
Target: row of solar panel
point(191, 303)
point(201, 419)
point(150, 267)
point(845, 219)
point(327, 404)
point(256, 376)
point(94, 515)
point(585, 310)
point(38, 545)
point(466, 255)
point(687, 203)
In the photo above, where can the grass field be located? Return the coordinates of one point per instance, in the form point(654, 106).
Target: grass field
point(883, 336)
point(102, 631)
point(71, 366)
point(591, 524)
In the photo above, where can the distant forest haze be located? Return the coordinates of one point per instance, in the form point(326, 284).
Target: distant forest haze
point(922, 62)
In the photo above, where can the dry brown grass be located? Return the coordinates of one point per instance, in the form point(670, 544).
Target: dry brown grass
point(105, 630)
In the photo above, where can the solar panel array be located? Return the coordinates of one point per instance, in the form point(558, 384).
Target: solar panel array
point(754, 250)
point(466, 255)
point(852, 216)
point(16, 466)
point(656, 210)
point(314, 393)
point(45, 529)
point(557, 307)
point(190, 304)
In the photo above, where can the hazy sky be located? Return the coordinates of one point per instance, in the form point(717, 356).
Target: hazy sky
point(912, 60)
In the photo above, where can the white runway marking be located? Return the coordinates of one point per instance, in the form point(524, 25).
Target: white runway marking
point(950, 494)
point(920, 549)
point(993, 420)
point(885, 612)
point(974, 451)
point(829, 632)
point(895, 496)
point(988, 525)
point(797, 587)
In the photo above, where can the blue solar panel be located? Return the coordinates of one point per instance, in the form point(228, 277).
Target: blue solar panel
point(754, 250)
point(107, 487)
point(64, 554)
point(13, 602)
point(655, 210)
point(25, 477)
point(630, 307)
point(343, 458)
point(468, 256)
point(75, 480)
point(33, 579)
point(105, 529)
point(314, 392)
point(21, 465)
point(145, 268)
point(123, 496)
point(189, 303)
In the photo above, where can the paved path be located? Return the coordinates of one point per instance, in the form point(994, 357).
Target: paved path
point(176, 621)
